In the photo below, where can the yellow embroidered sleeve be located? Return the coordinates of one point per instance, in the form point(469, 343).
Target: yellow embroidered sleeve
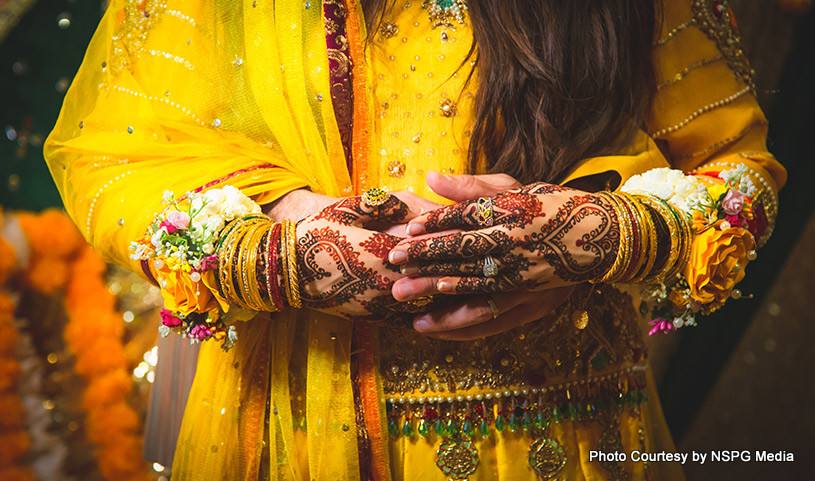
point(705, 116)
point(172, 95)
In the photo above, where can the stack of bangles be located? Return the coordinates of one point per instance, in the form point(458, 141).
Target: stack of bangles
point(257, 264)
point(655, 239)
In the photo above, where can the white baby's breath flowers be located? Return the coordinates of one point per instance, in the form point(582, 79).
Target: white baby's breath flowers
point(671, 185)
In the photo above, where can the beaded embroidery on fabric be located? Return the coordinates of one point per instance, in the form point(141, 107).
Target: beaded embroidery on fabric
point(443, 12)
point(339, 63)
point(131, 34)
point(716, 20)
point(521, 381)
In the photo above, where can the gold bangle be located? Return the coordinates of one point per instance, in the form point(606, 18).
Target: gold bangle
point(284, 259)
point(687, 234)
point(291, 264)
point(638, 230)
point(226, 248)
point(648, 233)
point(230, 256)
point(619, 260)
point(252, 248)
point(621, 263)
point(662, 209)
point(240, 268)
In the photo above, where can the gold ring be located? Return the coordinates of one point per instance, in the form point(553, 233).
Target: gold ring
point(375, 197)
point(493, 307)
point(484, 211)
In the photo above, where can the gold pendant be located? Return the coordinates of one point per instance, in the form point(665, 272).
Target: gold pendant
point(580, 318)
point(546, 457)
point(457, 459)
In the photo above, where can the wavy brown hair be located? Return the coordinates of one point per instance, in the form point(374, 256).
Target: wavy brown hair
point(558, 81)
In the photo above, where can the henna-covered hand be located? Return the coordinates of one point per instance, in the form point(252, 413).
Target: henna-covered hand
point(342, 265)
point(543, 236)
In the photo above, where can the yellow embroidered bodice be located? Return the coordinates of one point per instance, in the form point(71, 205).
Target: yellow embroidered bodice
point(422, 113)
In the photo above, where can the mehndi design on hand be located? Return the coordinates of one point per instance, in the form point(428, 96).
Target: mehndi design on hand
point(543, 236)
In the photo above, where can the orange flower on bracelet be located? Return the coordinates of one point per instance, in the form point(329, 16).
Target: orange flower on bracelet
point(186, 293)
point(717, 261)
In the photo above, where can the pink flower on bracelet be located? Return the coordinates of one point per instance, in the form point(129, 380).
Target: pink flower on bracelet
point(176, 220)
point(733, 202)
point(169, 319)
point(660, 324)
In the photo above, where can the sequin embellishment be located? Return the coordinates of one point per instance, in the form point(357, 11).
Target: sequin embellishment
point(443, 12)
point(716, 20)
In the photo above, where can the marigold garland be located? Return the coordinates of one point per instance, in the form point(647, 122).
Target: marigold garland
point(14, 441)
point(60, 258)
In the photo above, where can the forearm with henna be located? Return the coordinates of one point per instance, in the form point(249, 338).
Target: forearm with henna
point(543, 236)
point(342, 267)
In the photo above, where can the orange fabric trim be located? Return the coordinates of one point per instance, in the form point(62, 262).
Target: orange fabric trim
point(354, 29)
point(369, 395)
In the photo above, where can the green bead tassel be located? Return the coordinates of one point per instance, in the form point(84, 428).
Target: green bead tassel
point(513, 422)
point(451, 427)
point(407, 429)
point(526, 422)
point(499, 423)
point(468, 428)
point(439, 427)
point(393, 428)
point(556, 414)
point(422, 428)
point(540, 420)
point(484, 428)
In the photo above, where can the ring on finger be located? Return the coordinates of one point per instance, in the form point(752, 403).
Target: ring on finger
point(375, 197)
point(493, 307)
point(490, 267)
point(484, 211)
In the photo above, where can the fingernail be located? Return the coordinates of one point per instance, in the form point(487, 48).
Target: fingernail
point(395, 257)
point(444, 286)
point(415, 229)
point(421, 325)
point(402, 291)
point(407, 270)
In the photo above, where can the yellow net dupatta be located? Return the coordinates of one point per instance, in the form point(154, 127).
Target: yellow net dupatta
point(185, 95)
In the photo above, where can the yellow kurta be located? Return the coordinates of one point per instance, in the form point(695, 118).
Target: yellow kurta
point(182, 94)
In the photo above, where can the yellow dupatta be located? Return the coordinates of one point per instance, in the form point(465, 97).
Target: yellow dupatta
point(190, 94)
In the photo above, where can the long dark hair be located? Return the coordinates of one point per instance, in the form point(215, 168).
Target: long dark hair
point(558, 81)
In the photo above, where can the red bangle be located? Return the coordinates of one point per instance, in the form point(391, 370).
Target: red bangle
point(272, 253)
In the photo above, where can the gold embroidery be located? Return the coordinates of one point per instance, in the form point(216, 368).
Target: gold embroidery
point(131, 34)
point(675, 31)
point(684, 72)
point(389, 29)
point(722, 143)
point(707, 108)
point(542, 353)
point(443, 12)
point(457, 459)
point(612, 442)
point(546, 457)
point(396, 168)
point(715, 19)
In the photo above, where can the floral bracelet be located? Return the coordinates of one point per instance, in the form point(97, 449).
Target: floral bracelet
point(180, 247)
point(726, 218)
